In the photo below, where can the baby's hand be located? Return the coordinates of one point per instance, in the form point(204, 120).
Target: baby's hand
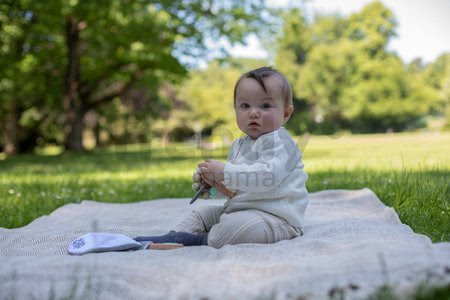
point(198, 182)
point(212, 170)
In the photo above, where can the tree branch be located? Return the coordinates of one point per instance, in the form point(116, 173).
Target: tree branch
point(114, 91)
point(87, 88)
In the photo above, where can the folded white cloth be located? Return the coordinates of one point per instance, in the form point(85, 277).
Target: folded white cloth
point(102, 242)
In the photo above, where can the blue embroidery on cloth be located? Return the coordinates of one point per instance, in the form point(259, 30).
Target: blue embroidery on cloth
point(77, 244)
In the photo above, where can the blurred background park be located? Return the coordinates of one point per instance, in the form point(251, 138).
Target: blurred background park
point(119, 100)
point(81, 75)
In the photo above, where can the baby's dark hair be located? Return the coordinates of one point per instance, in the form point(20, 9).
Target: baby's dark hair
point(265, 72)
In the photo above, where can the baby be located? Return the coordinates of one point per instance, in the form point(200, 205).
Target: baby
point(264, 170)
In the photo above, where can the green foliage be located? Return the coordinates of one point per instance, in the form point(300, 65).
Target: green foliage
point(437, 75)
point(436, 72)
point(293, 46)
point(388, 98)
point(28, 76)
point(374, 26)
point(121, 70)
point(209, 94)
point(204, 102)
point(344, 78)
point(93, 52)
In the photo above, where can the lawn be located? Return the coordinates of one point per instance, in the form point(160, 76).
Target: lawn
point(409, 172)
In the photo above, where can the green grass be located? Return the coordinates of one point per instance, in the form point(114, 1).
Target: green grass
point(409, 172)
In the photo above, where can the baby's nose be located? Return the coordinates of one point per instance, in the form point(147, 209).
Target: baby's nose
point(254, 112)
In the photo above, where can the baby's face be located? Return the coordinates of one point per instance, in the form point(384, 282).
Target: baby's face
point(258, 112)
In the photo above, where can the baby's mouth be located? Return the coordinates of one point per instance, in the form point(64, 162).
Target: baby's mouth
point(253, 124)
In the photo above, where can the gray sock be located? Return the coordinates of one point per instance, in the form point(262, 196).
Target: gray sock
point(185, 238)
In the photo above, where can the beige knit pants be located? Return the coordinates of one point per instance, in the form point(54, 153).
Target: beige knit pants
point(246, 226)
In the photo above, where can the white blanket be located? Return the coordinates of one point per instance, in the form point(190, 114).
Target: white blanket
point(352, 244)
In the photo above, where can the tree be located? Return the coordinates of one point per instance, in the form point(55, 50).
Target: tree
point(445, 94)
point(105, 49)
point(343, 71)
point(13, 31)
point(437, 76)
point(373, 26)
point(388, 99)
point(204, 101)
point(330, 69)
point(29, 77)
point(293, 46)
point(210, 94)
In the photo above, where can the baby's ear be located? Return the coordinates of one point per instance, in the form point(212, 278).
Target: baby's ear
point(288, 112)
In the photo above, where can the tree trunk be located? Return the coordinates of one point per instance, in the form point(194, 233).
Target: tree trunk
point(165, 137)
point(97, 130)
point(10, 130)
point(73, 104)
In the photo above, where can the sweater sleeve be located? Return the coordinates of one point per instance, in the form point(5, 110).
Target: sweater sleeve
point(276, 158)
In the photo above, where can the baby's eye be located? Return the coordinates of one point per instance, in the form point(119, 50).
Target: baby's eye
point(244, 105)
point(266, 106)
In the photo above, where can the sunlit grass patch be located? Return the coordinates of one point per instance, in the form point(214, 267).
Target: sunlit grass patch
point(378, 151)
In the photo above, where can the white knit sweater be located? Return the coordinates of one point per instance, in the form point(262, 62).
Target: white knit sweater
point(268, 175)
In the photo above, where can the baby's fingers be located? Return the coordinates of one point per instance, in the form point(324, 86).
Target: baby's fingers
point(195, 186)
point(196, 177)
